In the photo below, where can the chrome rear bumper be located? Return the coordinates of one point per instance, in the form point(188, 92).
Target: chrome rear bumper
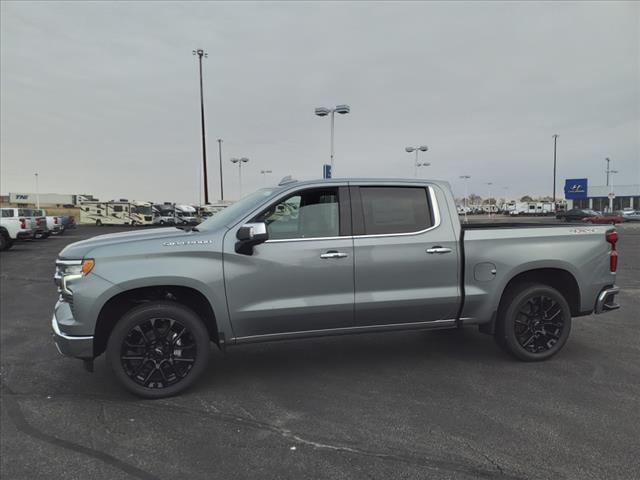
point(607, 300)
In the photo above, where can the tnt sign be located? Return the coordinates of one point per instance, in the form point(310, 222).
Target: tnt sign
point(575, 188)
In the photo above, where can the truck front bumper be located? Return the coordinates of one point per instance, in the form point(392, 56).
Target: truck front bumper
point(71, 345)
point(606, 300)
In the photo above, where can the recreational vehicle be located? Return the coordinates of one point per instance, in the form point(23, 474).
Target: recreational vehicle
point(186, 215)
point(116, 212)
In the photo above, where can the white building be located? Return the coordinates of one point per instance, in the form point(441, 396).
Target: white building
point(597, 197)
point(47, 199)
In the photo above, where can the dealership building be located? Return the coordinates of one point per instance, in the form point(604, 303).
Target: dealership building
point(30, 199)
point(580, 194)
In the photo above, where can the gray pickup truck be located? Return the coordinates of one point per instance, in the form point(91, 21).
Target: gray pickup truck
point(318, 258)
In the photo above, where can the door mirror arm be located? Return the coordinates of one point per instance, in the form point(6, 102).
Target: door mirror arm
point(249, 235)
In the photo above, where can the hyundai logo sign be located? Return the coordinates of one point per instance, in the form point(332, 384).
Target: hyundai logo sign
point(575, 188)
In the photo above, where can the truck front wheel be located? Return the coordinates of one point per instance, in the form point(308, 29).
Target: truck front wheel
point(158, 349)
point(534, 322)
point(5, 241)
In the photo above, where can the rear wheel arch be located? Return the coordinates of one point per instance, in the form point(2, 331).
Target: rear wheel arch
point(117, 306)
point(558, 278)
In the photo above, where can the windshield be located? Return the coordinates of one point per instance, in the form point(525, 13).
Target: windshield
point(232, 212)
point(141, 209)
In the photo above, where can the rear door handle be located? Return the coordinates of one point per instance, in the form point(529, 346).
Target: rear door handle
point(438, 250)
point(333, 254)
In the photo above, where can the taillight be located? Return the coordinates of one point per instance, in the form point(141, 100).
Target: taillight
point(613, 261)
point(23, 223)
point(38, 220)
point(612, 238)
point(55, 220)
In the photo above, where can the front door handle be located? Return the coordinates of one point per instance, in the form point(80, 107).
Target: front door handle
point(438, 250)
point(333, 254)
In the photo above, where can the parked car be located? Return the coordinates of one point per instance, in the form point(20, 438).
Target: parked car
point(633, 216)
point(577, 214)
point(629, 214)
point(604, 218)
point(357, 256)
point(13, 227)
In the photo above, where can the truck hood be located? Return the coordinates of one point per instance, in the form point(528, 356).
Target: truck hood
point(78, 250)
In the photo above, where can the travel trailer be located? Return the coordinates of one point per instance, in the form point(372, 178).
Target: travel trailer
point(530, 208)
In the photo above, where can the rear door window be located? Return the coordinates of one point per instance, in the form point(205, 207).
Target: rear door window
point(389, 210)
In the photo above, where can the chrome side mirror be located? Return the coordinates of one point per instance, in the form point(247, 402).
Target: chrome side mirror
point(249, 235)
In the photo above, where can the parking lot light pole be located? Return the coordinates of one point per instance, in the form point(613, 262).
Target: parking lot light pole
point(421, 148)
point(608, 170)
point(323, 112)
point(424, 164)
point(612, 191)
point(465, 178)
point(489, 184)
point(37, 192)
point(201, 53)
point(220, 158)
point(555, 144)
point(240, 161)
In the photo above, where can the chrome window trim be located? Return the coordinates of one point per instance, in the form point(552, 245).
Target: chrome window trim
point(436, 223)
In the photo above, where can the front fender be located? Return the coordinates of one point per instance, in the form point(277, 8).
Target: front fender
point(199, 270)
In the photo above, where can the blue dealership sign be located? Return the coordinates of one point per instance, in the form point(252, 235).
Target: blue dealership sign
point(575, 188)
point(326, 171)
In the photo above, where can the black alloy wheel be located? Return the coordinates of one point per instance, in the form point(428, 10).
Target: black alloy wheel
point(158, 349)
point(158, 353)
point(534, 321)
point(539, 322)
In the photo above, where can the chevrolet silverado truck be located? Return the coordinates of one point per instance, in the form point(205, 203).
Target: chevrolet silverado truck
point(316, 258)
point(14, 225)
point(54, 224)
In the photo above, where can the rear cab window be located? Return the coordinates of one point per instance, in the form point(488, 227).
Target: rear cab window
point(393, 210)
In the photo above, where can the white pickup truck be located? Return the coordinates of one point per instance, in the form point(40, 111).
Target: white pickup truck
point(54, 223)
point(15, 224)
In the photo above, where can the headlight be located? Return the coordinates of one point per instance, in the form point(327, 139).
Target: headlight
point(69, 270)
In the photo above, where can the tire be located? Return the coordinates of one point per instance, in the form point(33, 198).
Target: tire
point(98, 223)
point(157, 371)
point(5, 242)
point(534, 322)
point(161, 222)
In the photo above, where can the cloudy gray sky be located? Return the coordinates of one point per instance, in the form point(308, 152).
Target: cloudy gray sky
point(102, 97)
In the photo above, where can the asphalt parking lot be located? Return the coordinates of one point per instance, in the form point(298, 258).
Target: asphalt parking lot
point(438, 405)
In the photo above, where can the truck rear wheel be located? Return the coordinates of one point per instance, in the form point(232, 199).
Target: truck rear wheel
point(158, 350)
point(534, 321)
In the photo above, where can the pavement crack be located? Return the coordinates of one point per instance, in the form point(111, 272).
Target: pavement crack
point(12, 405)
point(462, 466)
